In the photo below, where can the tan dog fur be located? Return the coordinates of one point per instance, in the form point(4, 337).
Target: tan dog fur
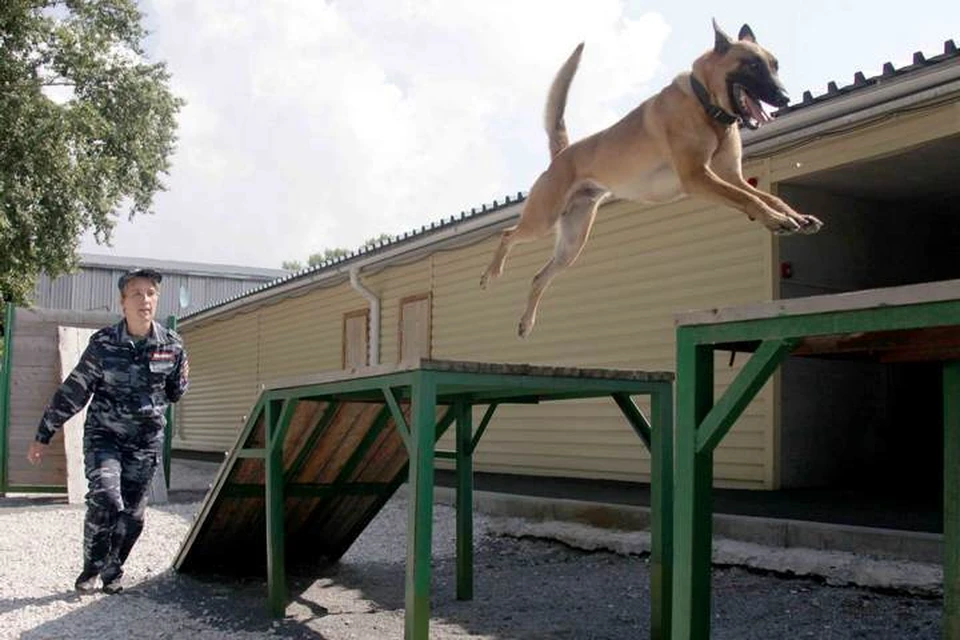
point(664, 149)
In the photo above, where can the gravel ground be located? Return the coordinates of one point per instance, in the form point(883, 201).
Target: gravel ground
point(524, 589)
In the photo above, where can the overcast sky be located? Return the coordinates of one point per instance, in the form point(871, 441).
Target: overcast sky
point(313, 124)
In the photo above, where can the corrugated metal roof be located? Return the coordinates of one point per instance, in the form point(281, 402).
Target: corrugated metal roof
point(94, 285)
point(176, 266)
point(434, 228)
point(860, 81)
point(920, 63)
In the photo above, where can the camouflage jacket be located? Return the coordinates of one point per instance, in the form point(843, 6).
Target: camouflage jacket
point(131, 383)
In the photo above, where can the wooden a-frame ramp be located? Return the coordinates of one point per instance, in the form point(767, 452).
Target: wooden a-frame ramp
point(318, 458)
point(341, 462)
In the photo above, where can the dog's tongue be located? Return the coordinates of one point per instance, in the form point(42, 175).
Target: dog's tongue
point(755, 109)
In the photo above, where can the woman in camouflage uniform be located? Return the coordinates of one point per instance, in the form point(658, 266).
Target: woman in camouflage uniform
point(133, 370)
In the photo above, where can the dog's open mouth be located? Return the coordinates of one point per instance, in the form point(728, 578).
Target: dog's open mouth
point(749, 109)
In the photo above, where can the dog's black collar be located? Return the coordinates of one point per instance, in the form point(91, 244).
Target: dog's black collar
point(715, 112)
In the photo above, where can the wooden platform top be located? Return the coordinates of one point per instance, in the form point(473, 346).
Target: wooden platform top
point(478, 368)
point(944, 291)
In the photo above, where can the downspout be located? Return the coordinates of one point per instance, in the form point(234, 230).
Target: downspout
point(374, 327)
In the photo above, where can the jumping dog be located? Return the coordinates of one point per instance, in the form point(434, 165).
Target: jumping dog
point(685, 140)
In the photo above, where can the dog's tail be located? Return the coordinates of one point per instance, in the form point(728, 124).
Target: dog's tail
point(557, 103)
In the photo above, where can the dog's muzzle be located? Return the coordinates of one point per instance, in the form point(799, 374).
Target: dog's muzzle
point(747, 95)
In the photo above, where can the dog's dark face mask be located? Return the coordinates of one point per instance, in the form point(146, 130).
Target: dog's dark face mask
point(753, 81)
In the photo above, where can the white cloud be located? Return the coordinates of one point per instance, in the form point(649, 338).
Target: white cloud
point(320, 124)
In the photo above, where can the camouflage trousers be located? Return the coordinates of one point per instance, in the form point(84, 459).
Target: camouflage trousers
point(119, 473)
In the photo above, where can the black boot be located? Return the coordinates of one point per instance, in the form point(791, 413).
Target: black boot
point(87, 580)
point(112, 575)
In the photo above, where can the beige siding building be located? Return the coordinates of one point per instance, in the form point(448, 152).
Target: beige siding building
point(874, 156)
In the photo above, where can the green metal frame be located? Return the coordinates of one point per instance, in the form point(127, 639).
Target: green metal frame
point(466, 444)
point(951, 500)
point(702, 423)
point(427, 389)
point(6, 375)
point(5, 371)
point(420, 506)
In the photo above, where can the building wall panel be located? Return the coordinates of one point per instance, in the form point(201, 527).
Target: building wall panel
point(613, 308)
point(224, 360)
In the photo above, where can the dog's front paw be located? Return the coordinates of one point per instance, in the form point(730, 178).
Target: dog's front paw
point(781, 225)
point(810, 225)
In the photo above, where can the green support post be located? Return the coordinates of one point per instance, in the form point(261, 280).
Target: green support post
point(171, 421)
point(276, 421)
point(464, 501)
point(5, 373)
point(951, 500)
point(693, 474)
point(420, 506)
point(658, 438)
point(661, 511)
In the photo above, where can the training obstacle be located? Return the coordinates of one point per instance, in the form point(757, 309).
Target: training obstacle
point(918, 323)
point(318, 458)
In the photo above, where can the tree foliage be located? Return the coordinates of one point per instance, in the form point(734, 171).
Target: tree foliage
point(291, 265)
point(88, 127)
point(316, 259)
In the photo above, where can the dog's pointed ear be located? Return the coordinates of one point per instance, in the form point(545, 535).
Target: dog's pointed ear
point(746, 33)
point(722, 41)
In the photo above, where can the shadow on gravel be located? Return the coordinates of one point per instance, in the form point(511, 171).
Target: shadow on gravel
point(188, 510)
point(186, 495)
point(168, 606)
point(526, 590)
point(523, 590)
point(12, 604)
point(536, 590)
point(15, 502)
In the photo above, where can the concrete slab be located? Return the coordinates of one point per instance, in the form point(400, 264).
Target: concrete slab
point(841, 554)
point(772, 532)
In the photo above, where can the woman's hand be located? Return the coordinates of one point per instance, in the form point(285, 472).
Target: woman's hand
point(35, 453)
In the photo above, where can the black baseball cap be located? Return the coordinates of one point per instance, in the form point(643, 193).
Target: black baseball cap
point(150, 274)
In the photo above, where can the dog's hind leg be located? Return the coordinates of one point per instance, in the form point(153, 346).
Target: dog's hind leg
point(572, 232)
point(508, 238)
point(538, 218)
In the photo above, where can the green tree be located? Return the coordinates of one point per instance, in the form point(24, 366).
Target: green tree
point(88, 127)
point(316, 259)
